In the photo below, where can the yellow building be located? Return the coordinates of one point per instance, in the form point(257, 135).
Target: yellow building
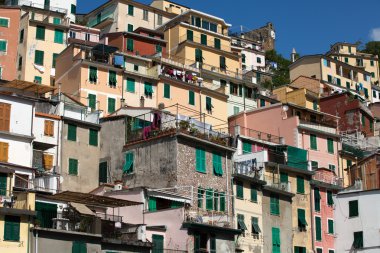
point(169, 6)
point(298, 96)
point(349, 53)
point(333, 72)
point(43, 36)
point(15, 214)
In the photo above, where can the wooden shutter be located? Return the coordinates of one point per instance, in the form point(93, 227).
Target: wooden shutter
point(301, 217)
point(331, 226)
point(247, 148)
point(217, 164)
point(204, 39)
point(49, 128)
point(276, 241)
point(330, 200)
point(166, 90)
point(152, 205)
point(200, 160)
point(11, 228)
point(239, 190)
point(4, 151)
point(330, 145)
point(313, 141)
point(284, 177)
point(158, 243)
point(47, 161)
point(253, 193)
point(317, 200)
point(5, 115)
point(353, 208)
point(93, 137)
point(300, 184)
point(209, 199)
point(71, 132)
point(222, 202)
point(191, 97)
point(318, 229)
point(3, 184)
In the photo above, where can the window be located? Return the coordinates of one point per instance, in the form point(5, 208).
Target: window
point(329, 78)
point(136, 67)
point(204, 39)
point(200, 160)
point(372, 63)
point(276, 241)
point(353, 208)
point(93, 74)
point(298, 249)
point(200, 197)
point(38, 79)
point(301, 219)
point(145, 15)
point(313, 142)
point(363, 120)
point(79, 247)
point(131, 85)
point(111, 105)
point(103, 167)
point(318, 228)
point(253, 193)
point(326, 63)
point(158, 243)
point(217, 43)
point(315, 105)
point(330, 225)
point(92, 101)
point(131, 9)
point(4, 147)
point(49, 128)
point(191, 97)
point(262, 102)
point(284, 178)
point(130, 45)
point(58, 36)
point(374, 94)
point(300, 185)
point(73, 9)
point(130, 28)
point(148, 89)
point(348, 85)
point(209, 105)
point(190, 35)
point(331, 167)
point(158, 49)
point(4, 22)
point(205, 24)
point(216, 200)
point(236, 109)
point(93, 137)
point(21, 40)
point(317, 200)
point(152, 204)
point(39, 57)
point(358, 240)
point(331, 251)
point(11, 228)
point(73, 166)
point(56, 21)
point(240, 222)
point(71, 132)
point(239, 190)
point(274, 205)
point(3, 184)
point(212, 244)
point(166, 90)
point(258, 59)
point(72, 34)
point(330, 145)
point(243, 58)
point(112, 78)
point(255, 225)
point(222, 201)
point(88, 36)
point(19, 63)
point(54, 60)
point(5, 116)
point(159, 19)
point(366, 93)
point(213, 27)
point(247, 148)
point(129, 163)
point(222, 63)
point(198, 55)
point(349, 163)
point(319, 250)
point(314, 165)
point(209, 199)
point(40, 32)
point(217, 164)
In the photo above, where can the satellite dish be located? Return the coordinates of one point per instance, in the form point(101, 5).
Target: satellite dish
point(285, 108)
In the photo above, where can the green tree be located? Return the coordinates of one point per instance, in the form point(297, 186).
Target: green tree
point(281, 74)
point(372, 47)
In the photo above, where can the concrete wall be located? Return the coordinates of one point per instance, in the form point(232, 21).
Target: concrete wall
point(308, 67)
point(15, 247)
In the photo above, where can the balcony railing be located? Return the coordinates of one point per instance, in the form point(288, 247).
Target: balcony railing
point(247, 132)
point(46, 7)
point(109, 217)
point(209, 43)
point(18, 200)
point(328, 179)
point(212, 218)
point(276, 183)
point(323, 126)
point(47, 183)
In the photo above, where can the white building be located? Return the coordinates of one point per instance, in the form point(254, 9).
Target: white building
point(67, 6)
point(357, 218)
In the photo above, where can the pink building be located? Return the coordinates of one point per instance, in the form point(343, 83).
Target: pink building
point(324, 185)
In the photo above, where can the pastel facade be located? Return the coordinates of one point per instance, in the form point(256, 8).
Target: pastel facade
point(10, 21)
point(79, 33)
point(301, 97)
point(169, 6)
point(253, 57)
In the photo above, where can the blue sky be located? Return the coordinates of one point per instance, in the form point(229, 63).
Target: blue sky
point(308, 26)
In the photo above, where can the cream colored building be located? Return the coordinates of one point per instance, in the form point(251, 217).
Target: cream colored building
point(44, 38)
point(333, 72)
point(298, 96)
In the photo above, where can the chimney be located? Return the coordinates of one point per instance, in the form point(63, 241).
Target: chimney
point(293, 55)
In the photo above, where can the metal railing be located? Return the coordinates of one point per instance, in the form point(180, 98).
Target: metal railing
point(46, 183)
point(325, 126)
point(46, 7)
point(247, 132)
point(276, 183)
point(109, 217)
point(209, 217)
point(328, 179)
point(207, 42)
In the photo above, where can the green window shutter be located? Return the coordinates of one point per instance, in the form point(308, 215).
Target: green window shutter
point(217, 164)
point(330, 145)
point(56, 21)
point(353, 208)
point(148, 89)
point(216, 201)
point(349, 163)
point(204, 39)
point(190, 35)
point(73, 9)
point(247, 148)
point(198, 55)
point(236, 110)
point(222, 202)
point(348, 85)
point(330, 226)
point(39, 57)
point(241, 222)
point(313, 142)
point(262, 102)
point(243, 58)
point(217, 43)
point(131, 85)
point(209, 104)
point(315, 105)
point(318, 229)
point(276, 241)
point(54, 60)
point(11, 228)
point(366, 93)
point(191, 97)
point(301, 218)
point(158, 243)
point(130, 45)
point(92, 101)
point(166, 90)
point(200, 160)
point(45, 214)
point(131, 10)
point(363, 120)
point(197, 243)
point(372, 63)
point(284, 177)
point(222, 65)
point(212, 244)
point(58, 36)
point(239, 190)
point(21, 40)
point(158, 49)
point(38, 79)
point(331, 251)
point(73, 166)
point(338, 82)
point(112, 81)
point(209, 199)
point(255, 225)
point(329, 78)
point(129, 163)
point(300, 184)
point(4, 22)
point(314, 165)
point(3, 45)
point(40, 32)
point(358, 240)
point(317, 200)
point(200, 197)
point(3, 184)
point(103, 166)
point(130, 28)
point(253, 193)
point(93, 78)
point(274, 205)
point(71, 132)
point(93, 137)
point(111, 105)
point(330, 200)
point(79, 247)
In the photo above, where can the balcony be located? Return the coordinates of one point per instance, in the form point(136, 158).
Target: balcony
point(45, 7)
point(102, 20)
point(206, 43)
point(276, 184)
point(257, 135)
point(151, 73)
point(18, 203)
point(328, 179)
point(46, 183)
point(322, 126)
point(210, 218)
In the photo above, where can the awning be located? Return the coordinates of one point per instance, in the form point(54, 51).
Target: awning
point(169, 196)
point(81, 208)
point(28, 86)
point(242, 225)
point(302, 221)
point(256, 228)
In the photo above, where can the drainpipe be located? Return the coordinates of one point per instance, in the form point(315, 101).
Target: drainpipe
point(36, 244)
point(312, 221)
point(27, 245)
point(228, 192)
